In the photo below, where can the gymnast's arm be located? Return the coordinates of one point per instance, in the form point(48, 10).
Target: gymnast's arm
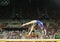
point(45, 31)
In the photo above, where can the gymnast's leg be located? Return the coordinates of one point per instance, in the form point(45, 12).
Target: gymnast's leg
point(31, 22)
point(32, 28)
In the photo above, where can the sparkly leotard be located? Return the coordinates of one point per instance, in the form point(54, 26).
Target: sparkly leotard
point(39, 23)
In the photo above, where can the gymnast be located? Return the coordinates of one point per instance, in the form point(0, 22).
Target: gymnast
point(34, 22)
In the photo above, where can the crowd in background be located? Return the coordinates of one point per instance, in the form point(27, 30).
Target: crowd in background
point(24, 9)
point(23, 35)
point(36, 34)
point(51, 27)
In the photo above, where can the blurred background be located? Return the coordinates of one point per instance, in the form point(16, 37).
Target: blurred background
point(14, 13)
point(30, 9)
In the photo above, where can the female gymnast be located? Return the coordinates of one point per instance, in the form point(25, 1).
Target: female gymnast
point(34, 22)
